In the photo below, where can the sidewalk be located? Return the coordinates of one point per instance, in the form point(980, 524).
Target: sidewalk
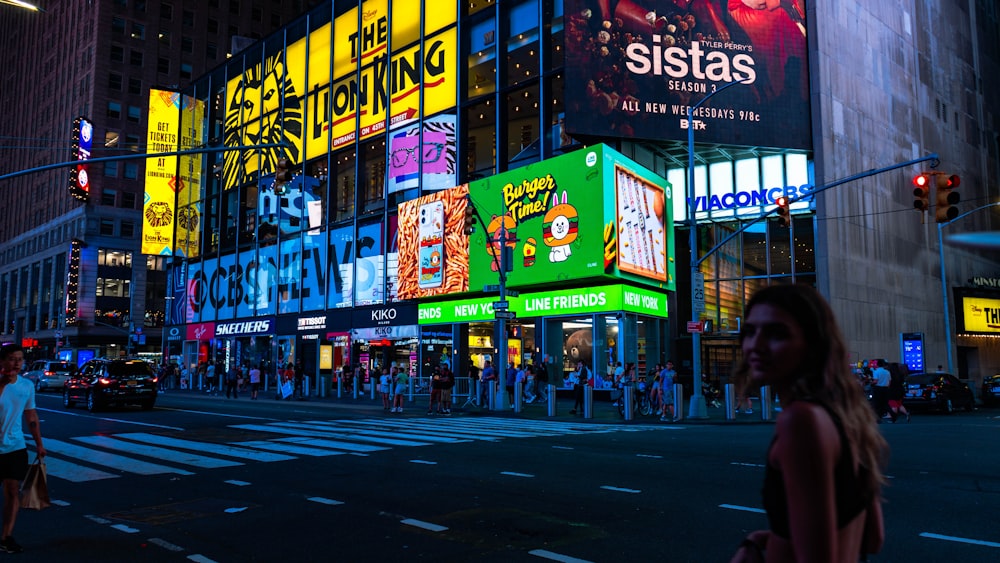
point(603, 412)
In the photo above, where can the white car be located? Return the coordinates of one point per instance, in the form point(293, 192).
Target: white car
point(49, 374)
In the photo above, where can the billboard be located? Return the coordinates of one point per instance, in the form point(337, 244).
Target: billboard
point(634, 71)
point(979, 315)
point(589, 214)
point(162, 182)
point(83, 140)
point(189, 196)
point(371, 89)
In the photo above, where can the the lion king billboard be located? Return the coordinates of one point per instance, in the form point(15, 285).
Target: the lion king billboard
point(635, 67)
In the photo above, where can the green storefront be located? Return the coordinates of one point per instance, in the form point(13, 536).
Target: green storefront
point(591, 254)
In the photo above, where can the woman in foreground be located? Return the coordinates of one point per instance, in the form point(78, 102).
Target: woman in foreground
point(822, 485)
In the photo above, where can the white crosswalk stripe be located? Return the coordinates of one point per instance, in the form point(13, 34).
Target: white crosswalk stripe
point(284, 441)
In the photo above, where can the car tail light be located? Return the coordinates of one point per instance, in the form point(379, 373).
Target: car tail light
point(154, 379)
point(105, 381)
point(49, 373)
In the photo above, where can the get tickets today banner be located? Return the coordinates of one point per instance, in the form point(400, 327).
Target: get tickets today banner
point(162, 182)
point(589, 214)
point(634, 68)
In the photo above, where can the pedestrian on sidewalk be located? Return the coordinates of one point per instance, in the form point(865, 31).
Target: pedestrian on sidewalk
point(897, 390)
point(254, 381)
point(435, 392)
point(212, 377)
point(578, 378)
point(823, 477)
point(667, 392)
point(880, 391)
point(489, 374)
point(509, 380)
point(447, 384)
point(402, 380)
point(232, 379)
point(385, 387)
point(543, 375)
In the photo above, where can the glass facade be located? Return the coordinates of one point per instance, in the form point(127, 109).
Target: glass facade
point(374, 109)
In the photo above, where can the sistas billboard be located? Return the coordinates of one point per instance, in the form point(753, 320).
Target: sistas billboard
point(635, 67)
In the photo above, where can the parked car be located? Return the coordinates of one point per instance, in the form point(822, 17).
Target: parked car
point(937, 391)
point(991, 390)
point(101, 383)
point(49, 374)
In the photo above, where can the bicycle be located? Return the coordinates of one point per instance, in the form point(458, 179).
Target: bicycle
point(640, 402)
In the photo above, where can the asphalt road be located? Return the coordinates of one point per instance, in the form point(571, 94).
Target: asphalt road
point(208, 479)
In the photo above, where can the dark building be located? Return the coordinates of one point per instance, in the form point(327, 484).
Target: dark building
point(96, 60)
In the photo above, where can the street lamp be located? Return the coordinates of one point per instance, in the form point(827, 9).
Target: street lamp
point(697, 408)
point(944, 282)
point(20, 4)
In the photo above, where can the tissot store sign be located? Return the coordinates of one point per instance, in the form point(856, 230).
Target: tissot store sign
point(635, 72)
point(244, 328)
point(384, 315)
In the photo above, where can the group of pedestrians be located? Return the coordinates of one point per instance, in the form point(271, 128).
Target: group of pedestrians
point(392, 386)
point(534, 379)
point(888, 389)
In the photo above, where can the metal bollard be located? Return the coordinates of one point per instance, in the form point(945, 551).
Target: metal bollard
point(305, 386)
point(479, 393)
point(372, 384)
point(410, 389)
point(588, 401)
point(678, 402)
point(629, 399)
point(493, 395)
point(766, 407)
point(340, 387)
point(518, 397)
point(731, 405)
point(322, 388)
point(354, 389)
point(551, 396)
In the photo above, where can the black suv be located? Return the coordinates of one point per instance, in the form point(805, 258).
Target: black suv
point(101, 383)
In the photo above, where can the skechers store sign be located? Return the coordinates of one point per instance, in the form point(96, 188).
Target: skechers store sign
point(550, 303)
point(244, 328)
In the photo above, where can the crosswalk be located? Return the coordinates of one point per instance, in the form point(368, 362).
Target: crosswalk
point(93, 458)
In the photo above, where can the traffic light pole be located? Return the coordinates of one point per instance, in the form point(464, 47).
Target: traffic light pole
point(697, 399)
point(944, 283)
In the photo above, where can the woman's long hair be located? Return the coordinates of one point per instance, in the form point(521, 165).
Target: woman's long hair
point(825, 375)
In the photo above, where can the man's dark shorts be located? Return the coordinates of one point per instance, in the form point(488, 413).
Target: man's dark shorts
point(14, 465)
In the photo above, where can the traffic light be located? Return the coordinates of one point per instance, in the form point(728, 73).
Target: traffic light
point(469, 219)
point(946, 197)
point(282, 174)
point(922, 191)
point(784, 219)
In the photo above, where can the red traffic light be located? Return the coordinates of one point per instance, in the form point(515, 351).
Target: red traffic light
point(922, 191)
point(921, 180)
point(946, 197)
point(784, 219)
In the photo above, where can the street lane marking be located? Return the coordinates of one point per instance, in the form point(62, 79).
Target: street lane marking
point(319, 425)
point(515, 474)
point(109, 460)
point(277, 429)
point(199, 558)
point(124, 528)
point(92, 417)
point(97, 519)
point(649, 456)
point(237, 482)
point(424, 525)
point(423, 462)
point(287, 448)
point(165, 544)
point(59, 502)
point(747, 464)
point(959, 540)
point(69, 471)
point(545, 554)
point(743, 508)
point(561, 448)
point(334, 444)
point(164, 454)
point(215, 414)
point(221, 449)
point(322, 500)
point(620, 489)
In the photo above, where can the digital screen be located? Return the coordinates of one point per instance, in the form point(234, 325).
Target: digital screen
point(912, 348)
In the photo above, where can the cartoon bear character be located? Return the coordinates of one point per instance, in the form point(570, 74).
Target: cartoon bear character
point(580, 346)
point(559, 228)
point(493, 242)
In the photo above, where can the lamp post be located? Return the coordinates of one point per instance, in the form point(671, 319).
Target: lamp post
point(697, 408)
point(944, 282)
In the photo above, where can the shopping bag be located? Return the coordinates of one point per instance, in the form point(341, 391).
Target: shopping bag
point(287, 388)
point(35, 488)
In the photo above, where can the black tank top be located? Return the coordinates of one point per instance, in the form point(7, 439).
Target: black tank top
point(849, 490)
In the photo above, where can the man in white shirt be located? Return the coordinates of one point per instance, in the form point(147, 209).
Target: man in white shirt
point(17, 405)
point(880, 392)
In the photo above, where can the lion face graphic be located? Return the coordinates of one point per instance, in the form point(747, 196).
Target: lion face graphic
point(262, 107)
point(187, 218)
point(158, 214)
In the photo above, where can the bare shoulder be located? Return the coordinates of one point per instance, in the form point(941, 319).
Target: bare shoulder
point(803, 426)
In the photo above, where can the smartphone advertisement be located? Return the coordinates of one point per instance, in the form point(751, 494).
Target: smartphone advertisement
point(433, 250)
